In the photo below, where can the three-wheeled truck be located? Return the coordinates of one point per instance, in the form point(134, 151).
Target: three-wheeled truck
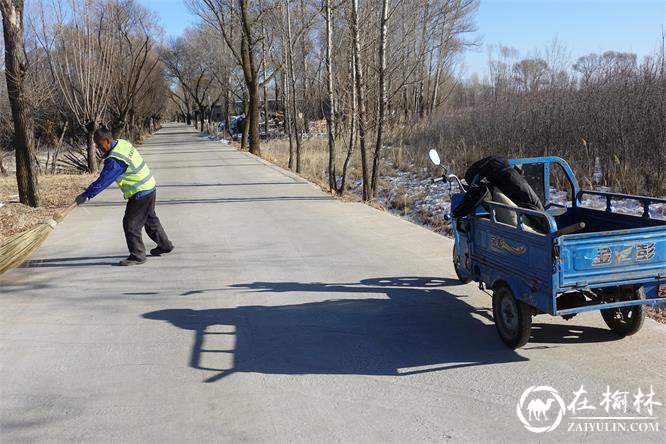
point(568, 259)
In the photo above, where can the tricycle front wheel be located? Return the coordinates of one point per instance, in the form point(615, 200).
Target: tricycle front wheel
point(626, 321)
point(513, 318)
point(458, 266)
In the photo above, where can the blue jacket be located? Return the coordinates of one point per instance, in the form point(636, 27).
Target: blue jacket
point(113, 169)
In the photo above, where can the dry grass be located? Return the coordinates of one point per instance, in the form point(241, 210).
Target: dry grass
point(658, 313)
point(56, 192)
point(400, 199)
point(314, 160)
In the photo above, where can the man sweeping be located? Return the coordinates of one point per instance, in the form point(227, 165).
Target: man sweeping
point(124, 165)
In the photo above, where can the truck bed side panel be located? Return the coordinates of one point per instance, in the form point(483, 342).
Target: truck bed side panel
point(627, 255)
point(522, 259)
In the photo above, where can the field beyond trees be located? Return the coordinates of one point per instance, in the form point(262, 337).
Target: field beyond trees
point(605, 113)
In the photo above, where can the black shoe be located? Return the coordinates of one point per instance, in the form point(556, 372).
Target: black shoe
point(159, 251)
point(131, 260)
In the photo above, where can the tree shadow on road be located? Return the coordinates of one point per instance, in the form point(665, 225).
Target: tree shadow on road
point(222, 200)
point(209, 165)
point(419, 328)
point(247, 184)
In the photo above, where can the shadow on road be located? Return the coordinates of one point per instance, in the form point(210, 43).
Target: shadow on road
point(84, 261)
point(208, 165)
point(172, 133)
point(154, 150)
point(419, 328)
point(221, 200)
point(247, 184)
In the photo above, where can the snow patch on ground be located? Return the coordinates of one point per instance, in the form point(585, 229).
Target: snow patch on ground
point(624, 206)
point(414, 197)
point(214, 137)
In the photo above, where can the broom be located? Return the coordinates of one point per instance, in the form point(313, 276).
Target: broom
point(19, 248)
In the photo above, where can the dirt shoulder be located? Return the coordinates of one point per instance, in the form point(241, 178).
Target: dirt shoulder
point(56, 192)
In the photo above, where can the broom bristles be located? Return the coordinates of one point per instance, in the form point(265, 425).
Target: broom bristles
point(21, 247)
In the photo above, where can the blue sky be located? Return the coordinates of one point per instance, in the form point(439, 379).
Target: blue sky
point(583, 26)
point(174, 15)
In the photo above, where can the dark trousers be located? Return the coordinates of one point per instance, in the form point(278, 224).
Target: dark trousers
point(140, 214)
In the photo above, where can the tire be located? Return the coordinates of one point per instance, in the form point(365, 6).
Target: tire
point(513, 318)
point(457, 266)
point(626, 321)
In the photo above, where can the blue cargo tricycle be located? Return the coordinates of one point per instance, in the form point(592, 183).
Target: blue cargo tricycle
point(577, 255)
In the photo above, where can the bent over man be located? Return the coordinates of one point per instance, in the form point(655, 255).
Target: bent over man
point(124, 165)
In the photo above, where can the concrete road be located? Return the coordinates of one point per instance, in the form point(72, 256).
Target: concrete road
point(283, 316)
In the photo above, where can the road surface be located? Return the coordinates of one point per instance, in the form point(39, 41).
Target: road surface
point(282, 316)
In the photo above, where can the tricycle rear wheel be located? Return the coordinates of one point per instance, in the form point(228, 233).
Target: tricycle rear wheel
point(513, 318)
point(626, 321)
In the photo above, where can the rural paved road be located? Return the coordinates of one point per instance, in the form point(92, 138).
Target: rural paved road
point(283, 316)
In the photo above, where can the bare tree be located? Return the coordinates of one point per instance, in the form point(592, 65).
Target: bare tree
point(352, 124)
point(530, 74)
point(228, 16)
point(16, 66)
point(184, 58)
point(383, 24)
point(293, 94)
point(80, 52)
point(330, 118)
point(361, 97)
point(135, 59)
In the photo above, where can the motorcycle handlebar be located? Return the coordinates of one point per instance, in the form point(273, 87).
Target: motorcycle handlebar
point(449, 178)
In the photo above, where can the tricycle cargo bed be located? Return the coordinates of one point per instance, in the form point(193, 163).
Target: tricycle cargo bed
point(612, 257)
point(562, 259)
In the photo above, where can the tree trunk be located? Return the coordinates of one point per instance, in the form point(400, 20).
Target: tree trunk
point(16, 64)
point(383, 97)
point(306, 121)
point(352, 126)
point(285, 104)
point(438, 71)
point(360, 86)
point(58, 147)
point(118, 127)
point(246, 127)
point(290, 60)
point(202, 117)
point(250, 75)
point(420, 96)
point(90, 143)
point(330, 120)
point(227, 106)
point(265, 83)
point(253, 121)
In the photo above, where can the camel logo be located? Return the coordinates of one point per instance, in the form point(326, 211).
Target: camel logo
point(544, 414)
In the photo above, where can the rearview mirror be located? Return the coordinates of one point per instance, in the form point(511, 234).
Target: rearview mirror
point(434, 157)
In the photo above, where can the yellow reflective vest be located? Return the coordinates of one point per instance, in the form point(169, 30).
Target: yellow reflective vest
point(137, 176)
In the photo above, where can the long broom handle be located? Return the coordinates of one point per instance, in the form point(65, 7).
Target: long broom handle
point(61, 215)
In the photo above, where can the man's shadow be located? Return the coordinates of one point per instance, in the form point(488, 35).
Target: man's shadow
point(419, 328)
